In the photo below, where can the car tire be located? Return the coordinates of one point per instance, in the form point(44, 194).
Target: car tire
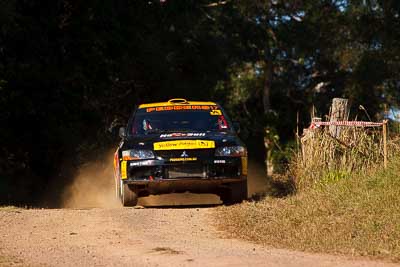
point(235, 193)
point(129, 198)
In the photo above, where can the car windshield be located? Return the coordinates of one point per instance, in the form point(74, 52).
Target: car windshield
point(149, 121)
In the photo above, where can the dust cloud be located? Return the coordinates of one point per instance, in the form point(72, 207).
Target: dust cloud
point(93, 186)
point(257, 179)
point(257, 185)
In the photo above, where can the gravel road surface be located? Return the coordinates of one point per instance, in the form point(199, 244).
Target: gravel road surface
point(173, 236)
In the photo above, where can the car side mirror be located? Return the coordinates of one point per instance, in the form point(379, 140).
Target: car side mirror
point(122, 132)
point(236, 126)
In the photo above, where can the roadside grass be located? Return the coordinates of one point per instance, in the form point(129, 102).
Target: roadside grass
point(356, 214)
point(9, 208)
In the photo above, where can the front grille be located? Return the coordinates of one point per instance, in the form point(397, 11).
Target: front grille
point(186, 171)
point(144, 173)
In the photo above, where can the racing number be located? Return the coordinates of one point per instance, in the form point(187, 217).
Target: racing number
point(215, 112)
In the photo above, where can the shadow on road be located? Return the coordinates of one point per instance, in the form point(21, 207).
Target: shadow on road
point(180, 200)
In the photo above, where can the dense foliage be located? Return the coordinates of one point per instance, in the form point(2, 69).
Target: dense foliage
point(68, 69)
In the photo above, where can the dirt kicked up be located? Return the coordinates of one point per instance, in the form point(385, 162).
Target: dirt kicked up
point(93, 187)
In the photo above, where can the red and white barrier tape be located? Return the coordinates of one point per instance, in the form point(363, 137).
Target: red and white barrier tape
point(345, 123)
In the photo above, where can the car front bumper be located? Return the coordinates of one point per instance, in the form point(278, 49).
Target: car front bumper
point(159, 169)
point(182, 185)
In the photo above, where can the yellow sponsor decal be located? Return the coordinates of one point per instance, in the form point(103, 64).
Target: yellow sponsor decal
point(215, 112)
point(184, 144)
point(182, 159)
point(244, 165)
point(124, 174)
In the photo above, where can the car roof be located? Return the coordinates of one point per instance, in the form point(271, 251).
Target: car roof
point(176, 102)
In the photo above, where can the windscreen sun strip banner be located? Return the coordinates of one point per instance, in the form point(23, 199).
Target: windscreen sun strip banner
point(182, 107)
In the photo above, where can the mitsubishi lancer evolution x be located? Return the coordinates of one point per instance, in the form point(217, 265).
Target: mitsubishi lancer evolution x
point(180, 146)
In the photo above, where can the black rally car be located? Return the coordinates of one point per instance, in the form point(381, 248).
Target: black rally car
point(179, 146)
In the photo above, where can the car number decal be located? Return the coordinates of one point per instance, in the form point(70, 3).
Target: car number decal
point(215, 112)
point(184, 144)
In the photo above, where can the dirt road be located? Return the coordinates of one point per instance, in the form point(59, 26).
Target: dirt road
point(136, 237)
point(115, 236)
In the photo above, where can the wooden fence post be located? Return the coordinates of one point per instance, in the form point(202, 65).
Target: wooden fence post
point(385, 152)
point(297, 123)
point(339, 112)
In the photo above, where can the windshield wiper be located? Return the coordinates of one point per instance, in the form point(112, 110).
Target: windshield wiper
point(182, 130)
point(155, 131)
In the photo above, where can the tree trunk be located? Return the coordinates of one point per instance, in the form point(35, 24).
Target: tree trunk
point(268, 69)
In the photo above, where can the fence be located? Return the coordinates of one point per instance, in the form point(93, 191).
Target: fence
point(357, 146)
point(362, 124)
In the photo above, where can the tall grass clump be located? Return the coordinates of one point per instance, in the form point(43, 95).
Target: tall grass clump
point(324, 158)
point(357, 216)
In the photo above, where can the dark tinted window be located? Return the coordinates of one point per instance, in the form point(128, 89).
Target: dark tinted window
point(179, 120)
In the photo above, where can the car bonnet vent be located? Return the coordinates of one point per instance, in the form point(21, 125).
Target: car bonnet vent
point(178, 101)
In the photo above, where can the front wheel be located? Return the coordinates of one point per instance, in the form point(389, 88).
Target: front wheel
point(128, 197)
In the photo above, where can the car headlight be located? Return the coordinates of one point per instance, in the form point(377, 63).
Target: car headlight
point(135, 154)
point(231, 151)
